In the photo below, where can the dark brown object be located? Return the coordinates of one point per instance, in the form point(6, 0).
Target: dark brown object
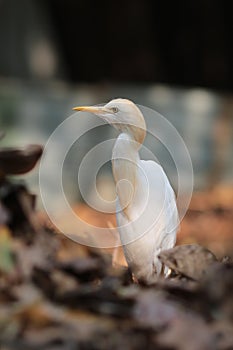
point(19, 205)
point(16, 161)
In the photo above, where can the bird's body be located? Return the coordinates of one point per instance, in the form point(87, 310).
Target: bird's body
point(149, 223)
point(146, 211)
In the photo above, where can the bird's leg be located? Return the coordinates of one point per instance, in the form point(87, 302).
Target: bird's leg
point(118, 257)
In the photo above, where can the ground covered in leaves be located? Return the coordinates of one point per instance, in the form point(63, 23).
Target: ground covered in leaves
point(56, 294)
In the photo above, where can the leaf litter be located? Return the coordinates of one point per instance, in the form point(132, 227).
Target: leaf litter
point(57, 294)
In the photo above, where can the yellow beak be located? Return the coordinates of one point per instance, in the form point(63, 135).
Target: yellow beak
point(93, 109)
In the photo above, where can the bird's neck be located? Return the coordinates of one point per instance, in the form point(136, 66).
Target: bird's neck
point(125, 158)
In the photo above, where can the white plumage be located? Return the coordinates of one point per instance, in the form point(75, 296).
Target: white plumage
point(146, 212)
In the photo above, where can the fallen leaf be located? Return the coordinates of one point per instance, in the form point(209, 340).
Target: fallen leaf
point(15, 161)
point(190, 260)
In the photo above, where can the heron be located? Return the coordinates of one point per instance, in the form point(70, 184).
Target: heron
point(146, 210)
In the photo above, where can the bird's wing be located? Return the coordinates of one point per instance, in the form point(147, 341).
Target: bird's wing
point(161, 204)
point(153, 217)
point(161, 199)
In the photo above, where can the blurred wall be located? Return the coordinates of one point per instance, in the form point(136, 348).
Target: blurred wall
point(185, 43)
point(28, 42)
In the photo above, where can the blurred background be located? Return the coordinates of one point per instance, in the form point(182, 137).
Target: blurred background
point(173, 57)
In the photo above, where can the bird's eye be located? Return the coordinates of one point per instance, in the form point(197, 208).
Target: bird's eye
point(114, 109)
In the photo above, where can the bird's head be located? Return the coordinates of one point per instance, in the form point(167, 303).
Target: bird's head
point(123, 114)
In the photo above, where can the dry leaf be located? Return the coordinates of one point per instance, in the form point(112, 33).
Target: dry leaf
point(190, 260)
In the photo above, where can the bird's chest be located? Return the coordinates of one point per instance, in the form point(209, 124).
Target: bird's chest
point(132, 187)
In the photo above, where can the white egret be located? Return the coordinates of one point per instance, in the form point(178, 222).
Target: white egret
point(146, 210)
